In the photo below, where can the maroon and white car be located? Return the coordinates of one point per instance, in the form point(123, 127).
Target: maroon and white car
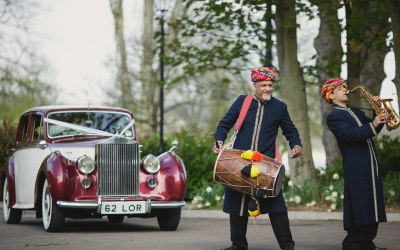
point(85, 162)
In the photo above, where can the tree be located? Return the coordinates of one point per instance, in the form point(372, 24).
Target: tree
point(125, 86)
point(150, 87)
point(375, 46)
point(22, 70)
point(329, 62)
point(293, 87)
point(367, 28)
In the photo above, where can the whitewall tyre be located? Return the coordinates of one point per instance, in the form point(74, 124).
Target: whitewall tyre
point(53, 216)
point(11, 215)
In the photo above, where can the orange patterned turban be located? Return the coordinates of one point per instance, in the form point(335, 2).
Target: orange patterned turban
point(264, 74)
point(329, 86)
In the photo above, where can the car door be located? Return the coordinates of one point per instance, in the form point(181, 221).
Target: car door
point(28, 158)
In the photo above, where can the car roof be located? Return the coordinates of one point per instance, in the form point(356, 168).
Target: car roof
point(54, 108)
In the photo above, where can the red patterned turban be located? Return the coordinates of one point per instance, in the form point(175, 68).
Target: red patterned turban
point(264, 74)
point(329, 86)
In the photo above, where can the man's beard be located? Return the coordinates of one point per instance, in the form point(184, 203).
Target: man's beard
point(266, 97)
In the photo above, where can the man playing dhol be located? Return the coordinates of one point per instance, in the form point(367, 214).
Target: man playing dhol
point(363, 205)
point(258, 133)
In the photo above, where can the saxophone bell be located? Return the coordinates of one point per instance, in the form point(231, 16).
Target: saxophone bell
point(382, 106)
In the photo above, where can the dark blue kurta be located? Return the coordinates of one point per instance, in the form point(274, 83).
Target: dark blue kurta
point(363, 189)
point(258, 132)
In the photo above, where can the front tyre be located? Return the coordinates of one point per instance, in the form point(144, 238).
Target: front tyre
point(11, 216)
point(53, 216)
point(168, 219)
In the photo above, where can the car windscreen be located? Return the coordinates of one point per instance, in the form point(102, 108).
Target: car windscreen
point(110, 122)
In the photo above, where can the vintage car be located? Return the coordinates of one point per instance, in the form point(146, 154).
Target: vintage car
point(85, 162)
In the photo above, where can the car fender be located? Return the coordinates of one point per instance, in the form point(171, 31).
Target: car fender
point(10, 175)
point(54, 170)
point(173, 175)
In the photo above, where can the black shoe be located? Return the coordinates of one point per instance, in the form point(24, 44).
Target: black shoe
point(233, 247)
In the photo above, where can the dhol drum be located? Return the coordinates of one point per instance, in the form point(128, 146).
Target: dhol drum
point(268, 183)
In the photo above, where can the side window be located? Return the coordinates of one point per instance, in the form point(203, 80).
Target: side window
point(37, 129)
point(22, 130)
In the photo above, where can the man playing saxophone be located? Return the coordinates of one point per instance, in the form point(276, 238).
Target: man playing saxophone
point(363, 206)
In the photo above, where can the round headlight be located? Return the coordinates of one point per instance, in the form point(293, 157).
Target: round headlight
point(151, 164)
point(85, 164)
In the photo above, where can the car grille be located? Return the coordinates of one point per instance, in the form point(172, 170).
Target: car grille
point(118, 168)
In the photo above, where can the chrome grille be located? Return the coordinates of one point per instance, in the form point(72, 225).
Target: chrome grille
point(118, 168)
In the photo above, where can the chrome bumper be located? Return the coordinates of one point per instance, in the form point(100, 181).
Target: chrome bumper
point(96, 205)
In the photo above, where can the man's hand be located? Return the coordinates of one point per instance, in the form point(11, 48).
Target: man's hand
point(296, 151)
point(379, 119)
point(219, 148)
point(376, 98)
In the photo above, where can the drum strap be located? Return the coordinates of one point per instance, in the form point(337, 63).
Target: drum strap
point(242, 115)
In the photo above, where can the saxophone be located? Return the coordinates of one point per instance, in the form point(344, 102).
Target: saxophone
point(382, 107)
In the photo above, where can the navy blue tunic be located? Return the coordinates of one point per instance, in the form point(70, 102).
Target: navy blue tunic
point(258, 132)
point(363, 190)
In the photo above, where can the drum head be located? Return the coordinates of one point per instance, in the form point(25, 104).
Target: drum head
point(279, 180)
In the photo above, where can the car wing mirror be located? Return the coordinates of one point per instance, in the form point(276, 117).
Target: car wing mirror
point(43, 145)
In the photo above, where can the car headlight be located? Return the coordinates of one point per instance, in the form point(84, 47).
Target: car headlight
point(151, 164)
point(85, 164)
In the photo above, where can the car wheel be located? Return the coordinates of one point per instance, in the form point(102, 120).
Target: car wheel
point(11, 216)
point(53, 216)
point(168, 219)
point(115, 219)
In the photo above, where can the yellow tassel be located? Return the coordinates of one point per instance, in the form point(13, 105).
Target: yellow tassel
point(247, 155)
point(254, 213)
point(254, 171)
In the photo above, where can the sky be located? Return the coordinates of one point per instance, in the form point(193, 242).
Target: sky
point(77, 39)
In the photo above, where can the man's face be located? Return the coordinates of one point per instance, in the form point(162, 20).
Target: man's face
point(339, 95)
point(263, 90)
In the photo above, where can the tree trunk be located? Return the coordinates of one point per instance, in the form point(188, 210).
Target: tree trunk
point(292, 88)
point(394, 12)
point(355, 28)
point(149, 76)
point(329, 61)
point(367, 27)
point(123, 73)
point(267, 60)
point(372, 73)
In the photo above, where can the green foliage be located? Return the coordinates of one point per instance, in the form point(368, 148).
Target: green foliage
point(196, 153)
point(7, 135)
point(303, 194)
point(227, 35)
point(391, 188)
point(387, 151)
point(326, 191)
point(23, 89)
point(208, 196)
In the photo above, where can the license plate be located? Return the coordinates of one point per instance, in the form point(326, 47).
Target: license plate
point(123, 207)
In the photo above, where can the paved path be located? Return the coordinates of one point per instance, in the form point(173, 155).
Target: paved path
point(293, 215)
